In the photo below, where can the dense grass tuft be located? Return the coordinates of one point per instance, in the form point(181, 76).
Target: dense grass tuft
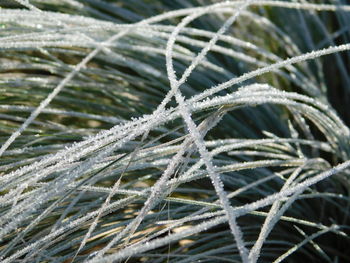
point(174, 131)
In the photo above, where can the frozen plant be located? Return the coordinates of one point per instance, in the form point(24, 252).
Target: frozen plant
point(174, 131)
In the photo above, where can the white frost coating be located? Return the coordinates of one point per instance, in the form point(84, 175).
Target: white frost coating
point(197, 137)
point(258, 72)
point(59, 178)
point(275, 213)
point(68, 77)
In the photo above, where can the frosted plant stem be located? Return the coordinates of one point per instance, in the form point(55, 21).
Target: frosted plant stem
point(210, 223)
point(159, 242)
point(39, 198)
point(204, 127)
point(76, 69)
point(61, 230)
point(272, 67)
point(305, 241)
point(199, 57)
point(61, 85)
point(252, 74)
point(208, 46)
point(294, 96)
point(166, 100)
point(155, 195)
point(290, 190)
point(192, 126)
point(107, 201)
point(53, 94)
point(274, 215)
point(80, 169)
point(240, 210)
point(172, 91)
point(161, 184)
point(215, 177)
point(94, 223)
point(79, 66)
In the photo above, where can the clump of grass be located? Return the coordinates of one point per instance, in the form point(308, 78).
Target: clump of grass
point(174, 131)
